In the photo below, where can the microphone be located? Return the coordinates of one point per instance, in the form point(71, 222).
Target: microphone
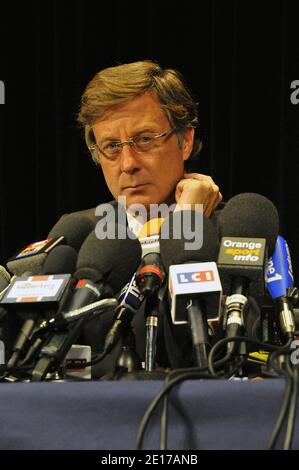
point(149, 236)
point(90, 286)
point(279, 280)
point(31, 258)
point(150, 277)
point(150, 274)
point(249, 225)
point(130, 301)
point(71, 229)
point(59, 261)
point(194, 284)
point(44, 288)
point(74, 227)
point(103, 266)
point(132, 297)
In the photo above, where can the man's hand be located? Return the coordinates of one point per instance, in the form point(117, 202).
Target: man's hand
point(197, 189)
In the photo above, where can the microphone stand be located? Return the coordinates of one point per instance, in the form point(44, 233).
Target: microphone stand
point(128, 360)
point(199, 331)
point(152, 314)
point(151, 326)
point(235, 305)
point(54, 352)
point(23, 337)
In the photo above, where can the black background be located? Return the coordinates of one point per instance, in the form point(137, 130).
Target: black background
point(239, 58)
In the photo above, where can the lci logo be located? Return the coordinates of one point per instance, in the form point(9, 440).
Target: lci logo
point(2, 92)
point(198, 276)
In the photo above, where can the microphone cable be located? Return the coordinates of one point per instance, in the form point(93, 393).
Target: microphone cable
point(4, 369)
point(164, 413)
point(164, 420)
point(171, 375)
point(193, 373)
point(289, 405)
point(244, 339)
point(186, 374)
point(173, 378)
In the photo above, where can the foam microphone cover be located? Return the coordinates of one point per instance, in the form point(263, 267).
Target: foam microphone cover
point(250, 215)
point(61, 260)
point(116, 259)
point(173, 247)
point(74, 227)
point(31, 264)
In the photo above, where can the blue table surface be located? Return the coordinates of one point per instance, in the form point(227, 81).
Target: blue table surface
point(97, 415)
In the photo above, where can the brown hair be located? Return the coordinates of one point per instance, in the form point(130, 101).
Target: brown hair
point(115, 85)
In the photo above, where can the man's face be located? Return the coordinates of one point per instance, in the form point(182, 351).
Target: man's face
point(147, 178)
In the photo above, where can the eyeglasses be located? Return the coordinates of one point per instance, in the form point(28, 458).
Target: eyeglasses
point(141, 143)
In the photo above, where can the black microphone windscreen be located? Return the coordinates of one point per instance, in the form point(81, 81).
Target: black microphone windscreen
point(173, 241)
point(74, 227)
point(31, 264)
point(250, 215)
point(61, 260)
point(117, 259)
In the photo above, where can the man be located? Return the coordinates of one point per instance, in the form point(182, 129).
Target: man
point(140, 126)
point(139, 123)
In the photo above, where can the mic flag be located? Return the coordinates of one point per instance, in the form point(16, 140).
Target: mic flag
point(280, 272)
point(194, 280)
point(191, 271)
point(279, 280)
point(34, 290)
point(130, 295)
point(70, 230)
point(33, 256)
point(38, 292)
point(239, 256)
